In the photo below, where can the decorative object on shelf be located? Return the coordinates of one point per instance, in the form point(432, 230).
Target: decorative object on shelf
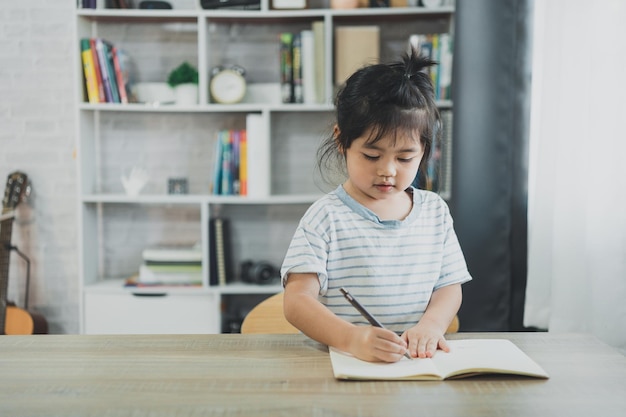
point(134, 182)
point(184, 80)
point(154, 94)
point(228, 84)
point(177, 186)
point(261, 272)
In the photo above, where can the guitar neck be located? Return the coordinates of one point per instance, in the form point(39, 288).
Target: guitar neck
point(6, 227)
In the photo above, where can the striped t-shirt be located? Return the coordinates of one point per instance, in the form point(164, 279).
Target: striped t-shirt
point(392, 267)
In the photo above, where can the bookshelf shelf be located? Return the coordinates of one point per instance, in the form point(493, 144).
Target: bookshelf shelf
point(178, 141)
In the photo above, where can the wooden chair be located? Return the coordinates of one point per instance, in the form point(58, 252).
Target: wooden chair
point(267, 317)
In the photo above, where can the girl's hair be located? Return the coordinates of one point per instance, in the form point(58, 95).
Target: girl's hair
point(382, 99)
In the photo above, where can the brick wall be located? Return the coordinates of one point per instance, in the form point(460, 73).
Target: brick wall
point(37, 136)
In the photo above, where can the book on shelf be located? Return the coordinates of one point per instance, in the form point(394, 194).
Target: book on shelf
point(467, 357)
point(220, 261)
point(286, 69)
point(170, 274)
point(307, 54)
point(296, 67)
point(355, 47)
point(92, 43)
point(89, 71)
point(319, 46)
point(173, 253)
point(258, 156)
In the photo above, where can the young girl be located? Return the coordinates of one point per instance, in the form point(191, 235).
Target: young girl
point(390, 245)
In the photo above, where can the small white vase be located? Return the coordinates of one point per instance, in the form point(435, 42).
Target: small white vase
point(186, 94)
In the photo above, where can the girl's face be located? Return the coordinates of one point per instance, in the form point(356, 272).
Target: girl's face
point(381, 170)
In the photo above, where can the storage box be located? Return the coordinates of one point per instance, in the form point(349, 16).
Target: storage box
point(355, 47)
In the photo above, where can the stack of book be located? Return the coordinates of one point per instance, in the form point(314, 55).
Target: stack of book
point(302, 62)
point(102, 68)
point(171, 266)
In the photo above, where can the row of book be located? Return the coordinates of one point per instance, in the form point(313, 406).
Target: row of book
point(241, 163)
point(103, 72)
point(438, 47)
point(302, 65)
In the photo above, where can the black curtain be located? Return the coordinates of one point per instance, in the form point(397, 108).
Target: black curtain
point(489, 189)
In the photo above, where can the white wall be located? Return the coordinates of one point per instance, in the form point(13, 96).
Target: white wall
point(37, 137)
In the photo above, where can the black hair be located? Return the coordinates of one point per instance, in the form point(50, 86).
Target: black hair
point(383, 99)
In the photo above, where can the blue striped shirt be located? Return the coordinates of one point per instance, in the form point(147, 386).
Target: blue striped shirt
point(392, 266)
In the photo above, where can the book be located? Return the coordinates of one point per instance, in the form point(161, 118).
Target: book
point(121, 83)
point(296, 68)
point(307, 54)
point(91, 82)
point(243, 163)
point(286, 69)
point(96, 64)
point(108, 62)
point(355, 47)
point(220, 266)
point(104, 71)
point(172, 254)
point(258, 155)
point(170, 274)
point(319, 43)
point(467, 357)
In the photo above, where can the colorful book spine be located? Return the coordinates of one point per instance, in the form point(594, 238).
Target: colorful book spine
point(309, 90)
point(319, 41)
point(243, 163)
point(106, 83)
point(121, 84)
point(91, 83)
point(286, 69)
point(96, 64)
point(296, 54)
point(111, 72)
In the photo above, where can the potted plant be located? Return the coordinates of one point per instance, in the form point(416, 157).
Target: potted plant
point(184, 80)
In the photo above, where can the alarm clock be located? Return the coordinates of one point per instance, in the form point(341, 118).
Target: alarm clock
point(228, 84)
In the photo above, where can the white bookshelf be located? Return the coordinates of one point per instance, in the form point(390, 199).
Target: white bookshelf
point(178, 141)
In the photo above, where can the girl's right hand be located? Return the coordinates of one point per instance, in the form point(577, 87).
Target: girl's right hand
point(374, 344)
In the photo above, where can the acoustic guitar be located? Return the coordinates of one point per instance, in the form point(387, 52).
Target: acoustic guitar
point(14, 320)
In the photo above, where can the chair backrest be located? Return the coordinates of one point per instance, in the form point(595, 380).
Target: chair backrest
point(267, 317)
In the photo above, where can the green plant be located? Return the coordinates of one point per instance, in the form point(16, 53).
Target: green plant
point(183, 74)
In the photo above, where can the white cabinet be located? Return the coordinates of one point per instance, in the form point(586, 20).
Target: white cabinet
point(171, 141)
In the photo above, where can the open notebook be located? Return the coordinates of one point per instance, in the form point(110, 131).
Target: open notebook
point(466, 358)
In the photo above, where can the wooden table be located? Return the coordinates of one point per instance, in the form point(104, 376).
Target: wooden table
point(286, 375)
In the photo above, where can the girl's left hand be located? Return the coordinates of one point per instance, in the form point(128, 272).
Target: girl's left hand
point(424, 339)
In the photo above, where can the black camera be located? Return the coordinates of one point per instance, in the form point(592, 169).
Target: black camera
point(258, 272)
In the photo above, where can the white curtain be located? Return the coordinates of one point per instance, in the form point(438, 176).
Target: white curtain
point(577, 171)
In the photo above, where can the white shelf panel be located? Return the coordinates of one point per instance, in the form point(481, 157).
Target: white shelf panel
point(116, 286)
point(198, 199)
